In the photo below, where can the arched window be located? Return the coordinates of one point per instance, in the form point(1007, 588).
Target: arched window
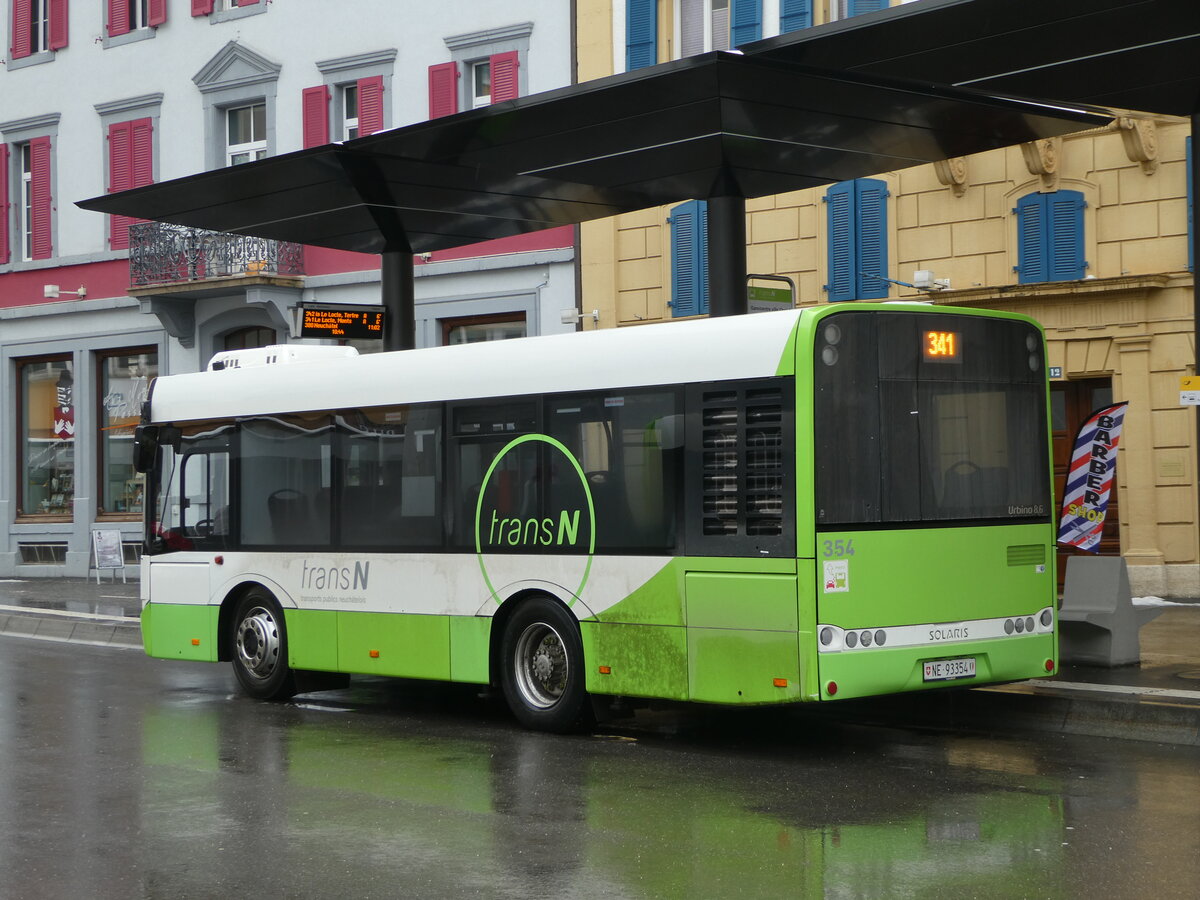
point(253, 336)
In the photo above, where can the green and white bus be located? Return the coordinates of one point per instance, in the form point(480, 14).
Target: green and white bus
point(834, 502)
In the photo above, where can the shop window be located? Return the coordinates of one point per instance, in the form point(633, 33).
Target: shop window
point(46, 443)
point(124, 379)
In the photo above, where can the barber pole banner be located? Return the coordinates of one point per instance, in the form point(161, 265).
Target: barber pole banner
point(1090, 478)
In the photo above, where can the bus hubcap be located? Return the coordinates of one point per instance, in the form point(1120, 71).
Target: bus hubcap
point(258, 642)
point(541, 666)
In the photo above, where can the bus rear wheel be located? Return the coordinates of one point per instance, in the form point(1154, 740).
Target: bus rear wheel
point(259, 643)
point(542, 667)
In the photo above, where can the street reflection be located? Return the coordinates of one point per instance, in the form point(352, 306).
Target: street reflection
point(238, 787)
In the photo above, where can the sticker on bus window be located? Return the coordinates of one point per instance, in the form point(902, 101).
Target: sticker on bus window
point(837, 576)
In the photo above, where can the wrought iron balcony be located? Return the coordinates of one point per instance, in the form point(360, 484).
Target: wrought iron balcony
point(165, 254)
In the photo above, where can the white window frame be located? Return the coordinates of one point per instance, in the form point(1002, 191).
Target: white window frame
point(477, 99)
point(26, 207)
point(257, 148)
point(139, 14)
point(349, 122)
point(39, 23)
point(706, 11)
point(480, 46)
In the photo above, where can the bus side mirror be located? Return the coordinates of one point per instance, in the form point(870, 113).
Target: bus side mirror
point(145, 447)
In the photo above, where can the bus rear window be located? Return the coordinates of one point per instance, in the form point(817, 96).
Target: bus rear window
point(903, 438)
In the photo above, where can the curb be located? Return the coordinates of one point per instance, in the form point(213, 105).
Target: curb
point(1030, 708)
point(72, 628)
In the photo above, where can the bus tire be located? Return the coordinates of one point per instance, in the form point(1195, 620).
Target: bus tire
point(259, 642)
point(542, 667)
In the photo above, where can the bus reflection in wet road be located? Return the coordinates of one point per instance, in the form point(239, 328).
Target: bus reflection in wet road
point(128, 776)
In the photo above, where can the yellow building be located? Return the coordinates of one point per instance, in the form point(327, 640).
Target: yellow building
point(1088, 234)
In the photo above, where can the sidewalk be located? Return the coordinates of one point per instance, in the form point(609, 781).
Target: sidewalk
point(1156, 701)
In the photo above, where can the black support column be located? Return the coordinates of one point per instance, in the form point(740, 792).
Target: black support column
point(727, 256)
point(398, 295)
point(1194, 237)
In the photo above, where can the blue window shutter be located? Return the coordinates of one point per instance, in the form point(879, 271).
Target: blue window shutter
point(641, 33)
point(689, 258)
point(702, 257)
point(870, 200)
point(841, 233)
point(1031, 240)
point(858, 7)
point(745, 22)
point(1064, 233)
point(1188, 157)
point(794, 15)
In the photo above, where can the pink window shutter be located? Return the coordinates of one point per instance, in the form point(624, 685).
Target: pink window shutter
point(246, 2)
point(40, 191)
point(202, 7)
point(59, 24)
point(118, 17)
point(130, 165)
point(143, 152)
point(315, 107)
point(4, 249)
point(21, 25)
point(120, 178)
point(156, 13)
point(370, 105)
point(443, 90)
point(505, 84)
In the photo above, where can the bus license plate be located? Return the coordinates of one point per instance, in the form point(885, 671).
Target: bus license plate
point(950, 669)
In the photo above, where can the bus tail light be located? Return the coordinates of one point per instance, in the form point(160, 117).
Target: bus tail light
point(831, 688)
point(1049, 665)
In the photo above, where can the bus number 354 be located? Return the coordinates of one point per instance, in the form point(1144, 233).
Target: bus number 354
point(837, 549)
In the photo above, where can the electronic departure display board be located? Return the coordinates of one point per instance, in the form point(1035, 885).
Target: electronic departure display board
point(342, 322)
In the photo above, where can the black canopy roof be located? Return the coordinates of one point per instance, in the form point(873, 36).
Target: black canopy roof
point(722, 124)
point(1132, 54)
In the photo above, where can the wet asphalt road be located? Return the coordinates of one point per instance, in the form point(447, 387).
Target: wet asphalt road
point(129, 777)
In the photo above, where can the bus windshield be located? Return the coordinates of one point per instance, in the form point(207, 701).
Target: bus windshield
point(929, 419)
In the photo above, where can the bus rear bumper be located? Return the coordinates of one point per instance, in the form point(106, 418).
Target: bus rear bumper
point(886, 671)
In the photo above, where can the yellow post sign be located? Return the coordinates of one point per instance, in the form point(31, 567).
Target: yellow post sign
point(1189, 390)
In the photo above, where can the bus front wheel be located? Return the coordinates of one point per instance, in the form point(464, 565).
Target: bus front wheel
point(542, 674)
point(260, 647)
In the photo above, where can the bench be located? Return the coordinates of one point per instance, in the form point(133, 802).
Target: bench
point(1098, 623)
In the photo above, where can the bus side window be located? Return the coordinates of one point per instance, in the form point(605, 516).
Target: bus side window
point(286, 466)
point(629, 444)
point(389, 464)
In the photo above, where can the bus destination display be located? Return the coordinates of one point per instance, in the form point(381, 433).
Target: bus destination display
point(343, 322)
point(941, 346)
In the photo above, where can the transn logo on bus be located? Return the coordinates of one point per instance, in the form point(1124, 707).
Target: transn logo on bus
point(535, 498)
point(535, 532)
